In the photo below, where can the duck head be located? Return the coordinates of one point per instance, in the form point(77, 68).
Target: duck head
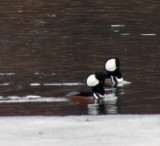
point(96, 83)
point(112, 66)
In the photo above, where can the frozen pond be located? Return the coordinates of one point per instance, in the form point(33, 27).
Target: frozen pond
point(119, 130)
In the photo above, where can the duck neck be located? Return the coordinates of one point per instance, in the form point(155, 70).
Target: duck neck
point(116, 76)
point(98, 91)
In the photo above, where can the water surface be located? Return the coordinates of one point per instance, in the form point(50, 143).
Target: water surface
point(48, 48)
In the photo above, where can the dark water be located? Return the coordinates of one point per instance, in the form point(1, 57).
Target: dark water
point(47, 42)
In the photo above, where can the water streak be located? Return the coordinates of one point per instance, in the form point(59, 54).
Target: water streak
point(31, 98)
point(63, 84)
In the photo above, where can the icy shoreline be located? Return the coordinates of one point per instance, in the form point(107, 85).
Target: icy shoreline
point(111, 130)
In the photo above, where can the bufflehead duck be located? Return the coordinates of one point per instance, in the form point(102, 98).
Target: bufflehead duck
point(94, 81)
point(112, 66)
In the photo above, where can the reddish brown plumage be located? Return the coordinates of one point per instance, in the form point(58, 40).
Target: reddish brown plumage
point(78, 98)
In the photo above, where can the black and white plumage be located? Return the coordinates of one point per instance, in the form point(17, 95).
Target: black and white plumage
point(112, 67)
point(98, 80)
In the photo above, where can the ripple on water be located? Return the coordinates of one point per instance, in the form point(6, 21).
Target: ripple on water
point(31, 98)
point(117, 25)
point(63, 84)
point(125, 34)
point(148, 34)
point(4, 84)
point(57, 84)
point(35, 84)
point(7, 74)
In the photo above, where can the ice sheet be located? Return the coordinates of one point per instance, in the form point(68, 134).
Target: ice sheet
point(109, 130)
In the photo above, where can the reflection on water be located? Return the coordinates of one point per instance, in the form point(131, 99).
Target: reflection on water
point(108, 105)
point(48, 48)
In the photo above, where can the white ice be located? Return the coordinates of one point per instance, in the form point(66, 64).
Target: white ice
point(109, 130)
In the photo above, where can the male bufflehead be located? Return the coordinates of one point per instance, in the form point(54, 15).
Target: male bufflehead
point(96, 82)
point(112, 66)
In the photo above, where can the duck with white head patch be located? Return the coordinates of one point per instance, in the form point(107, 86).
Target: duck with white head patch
point(96, 82)
point(112, 66)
